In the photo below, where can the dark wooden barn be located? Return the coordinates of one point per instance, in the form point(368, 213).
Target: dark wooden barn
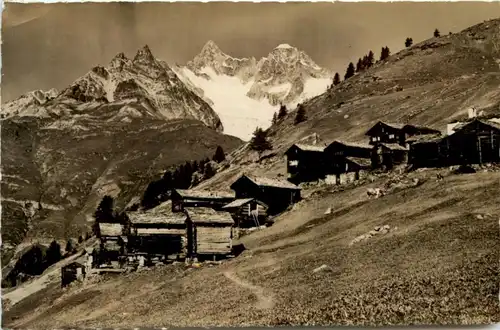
point(396, 133)
point(74, 271)
point(209, 232)
point(305, 162)
point(383, 132)
point(113, 241)
point(475, 142)
point(337, 152)
point(247, 212)
point(392, 154)
point(427, 151)
point(277, 194)
point(159, 232)
point(200, 198)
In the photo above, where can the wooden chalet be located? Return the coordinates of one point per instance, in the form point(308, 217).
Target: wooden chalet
point(209, 232)
point(200, 198)
point(277, 194)
point(383, 132)
point(337, 152)
point(395, 133)
point(247, 212)
point(427, 151)
point(159, 232)
point(475, 142)
point(74, 271)
point(305, 162)
point(113, 240)
point(392, 154)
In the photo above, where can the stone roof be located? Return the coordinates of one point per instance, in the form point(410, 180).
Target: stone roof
point(353, 144)
point(268, 182)
point(363, 162)
point(309, 147)
point(185, 193)
point(394, 146)
point(110, 229)
point(161, 214)
point(240, 202)
point(208, 215)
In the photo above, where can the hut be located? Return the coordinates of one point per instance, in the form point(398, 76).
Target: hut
point(74, 271)
point(392, 154)
point(247, 212)
point(475, 142)
point(383, 132)
point(158, 232)
point(113, 242)
point(305, 162)
point(337, 152)
point(200, 198)
point(277, 194)
point(209, 232)
point(426, 151)
point(414, 130)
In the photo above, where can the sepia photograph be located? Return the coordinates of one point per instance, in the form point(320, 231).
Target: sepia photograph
point(236, 164)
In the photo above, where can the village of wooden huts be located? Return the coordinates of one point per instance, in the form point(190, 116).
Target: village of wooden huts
point(202, 224)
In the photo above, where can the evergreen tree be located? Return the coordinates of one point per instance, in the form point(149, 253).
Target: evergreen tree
point(408, 42)
point(219, 155)
point(70, 248)
point(350, 71)
point(369, 59)
point(275, 118)
point(53, 254)
point(80, 239)
point(359, 66)
point(259, 141)
point(208, 171)
point(103, 213)
point(437, 33)
point(282, 112)
point(336, 79)
point(385, 53)
point(301, 114)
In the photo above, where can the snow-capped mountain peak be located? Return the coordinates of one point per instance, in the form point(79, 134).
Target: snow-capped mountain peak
point(245, 93)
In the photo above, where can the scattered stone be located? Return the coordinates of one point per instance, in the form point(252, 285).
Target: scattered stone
point(479, 217)
point(322, 268)
point(328, 210)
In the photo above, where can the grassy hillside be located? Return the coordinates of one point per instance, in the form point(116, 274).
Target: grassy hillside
point(438, 263)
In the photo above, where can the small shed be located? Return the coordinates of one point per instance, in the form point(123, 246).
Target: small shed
point(337, 152)
point(475, 142)
point(392, 154)
point(110, 230)
point(305, 162)
point(158, 231)
point(247, 212)
point(426, 151)
point(182, 198)
point(74, 271)
point(383, 132)
point(210, 232)
point(277, 194)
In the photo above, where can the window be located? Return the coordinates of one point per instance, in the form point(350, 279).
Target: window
point(391, 136)
point(293, 162)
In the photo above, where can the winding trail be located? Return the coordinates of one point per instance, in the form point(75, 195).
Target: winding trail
point(264, 300)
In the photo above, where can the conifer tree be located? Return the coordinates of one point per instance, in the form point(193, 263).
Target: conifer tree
point(275, 118)
point(282, 112)
point(53, 253)
point(359, 66)
point(408, 42)
point(70, 248)
point(369, 59)
point(301, 114)
point(437, 33)
point(385, 53)
point(219, 155)
point(336, 79)
point(209, 171)
point(259, 141)
point(350, 71)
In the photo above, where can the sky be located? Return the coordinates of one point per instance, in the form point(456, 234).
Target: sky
point(51, 45)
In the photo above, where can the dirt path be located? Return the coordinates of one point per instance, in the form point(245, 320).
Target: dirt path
point(264, 299)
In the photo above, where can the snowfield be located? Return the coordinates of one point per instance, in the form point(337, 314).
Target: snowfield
point(240, 115)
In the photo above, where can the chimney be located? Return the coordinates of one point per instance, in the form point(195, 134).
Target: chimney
point(472, 112)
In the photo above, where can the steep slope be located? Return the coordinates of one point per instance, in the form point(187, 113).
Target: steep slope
point(245, 92)
point(435, 264)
